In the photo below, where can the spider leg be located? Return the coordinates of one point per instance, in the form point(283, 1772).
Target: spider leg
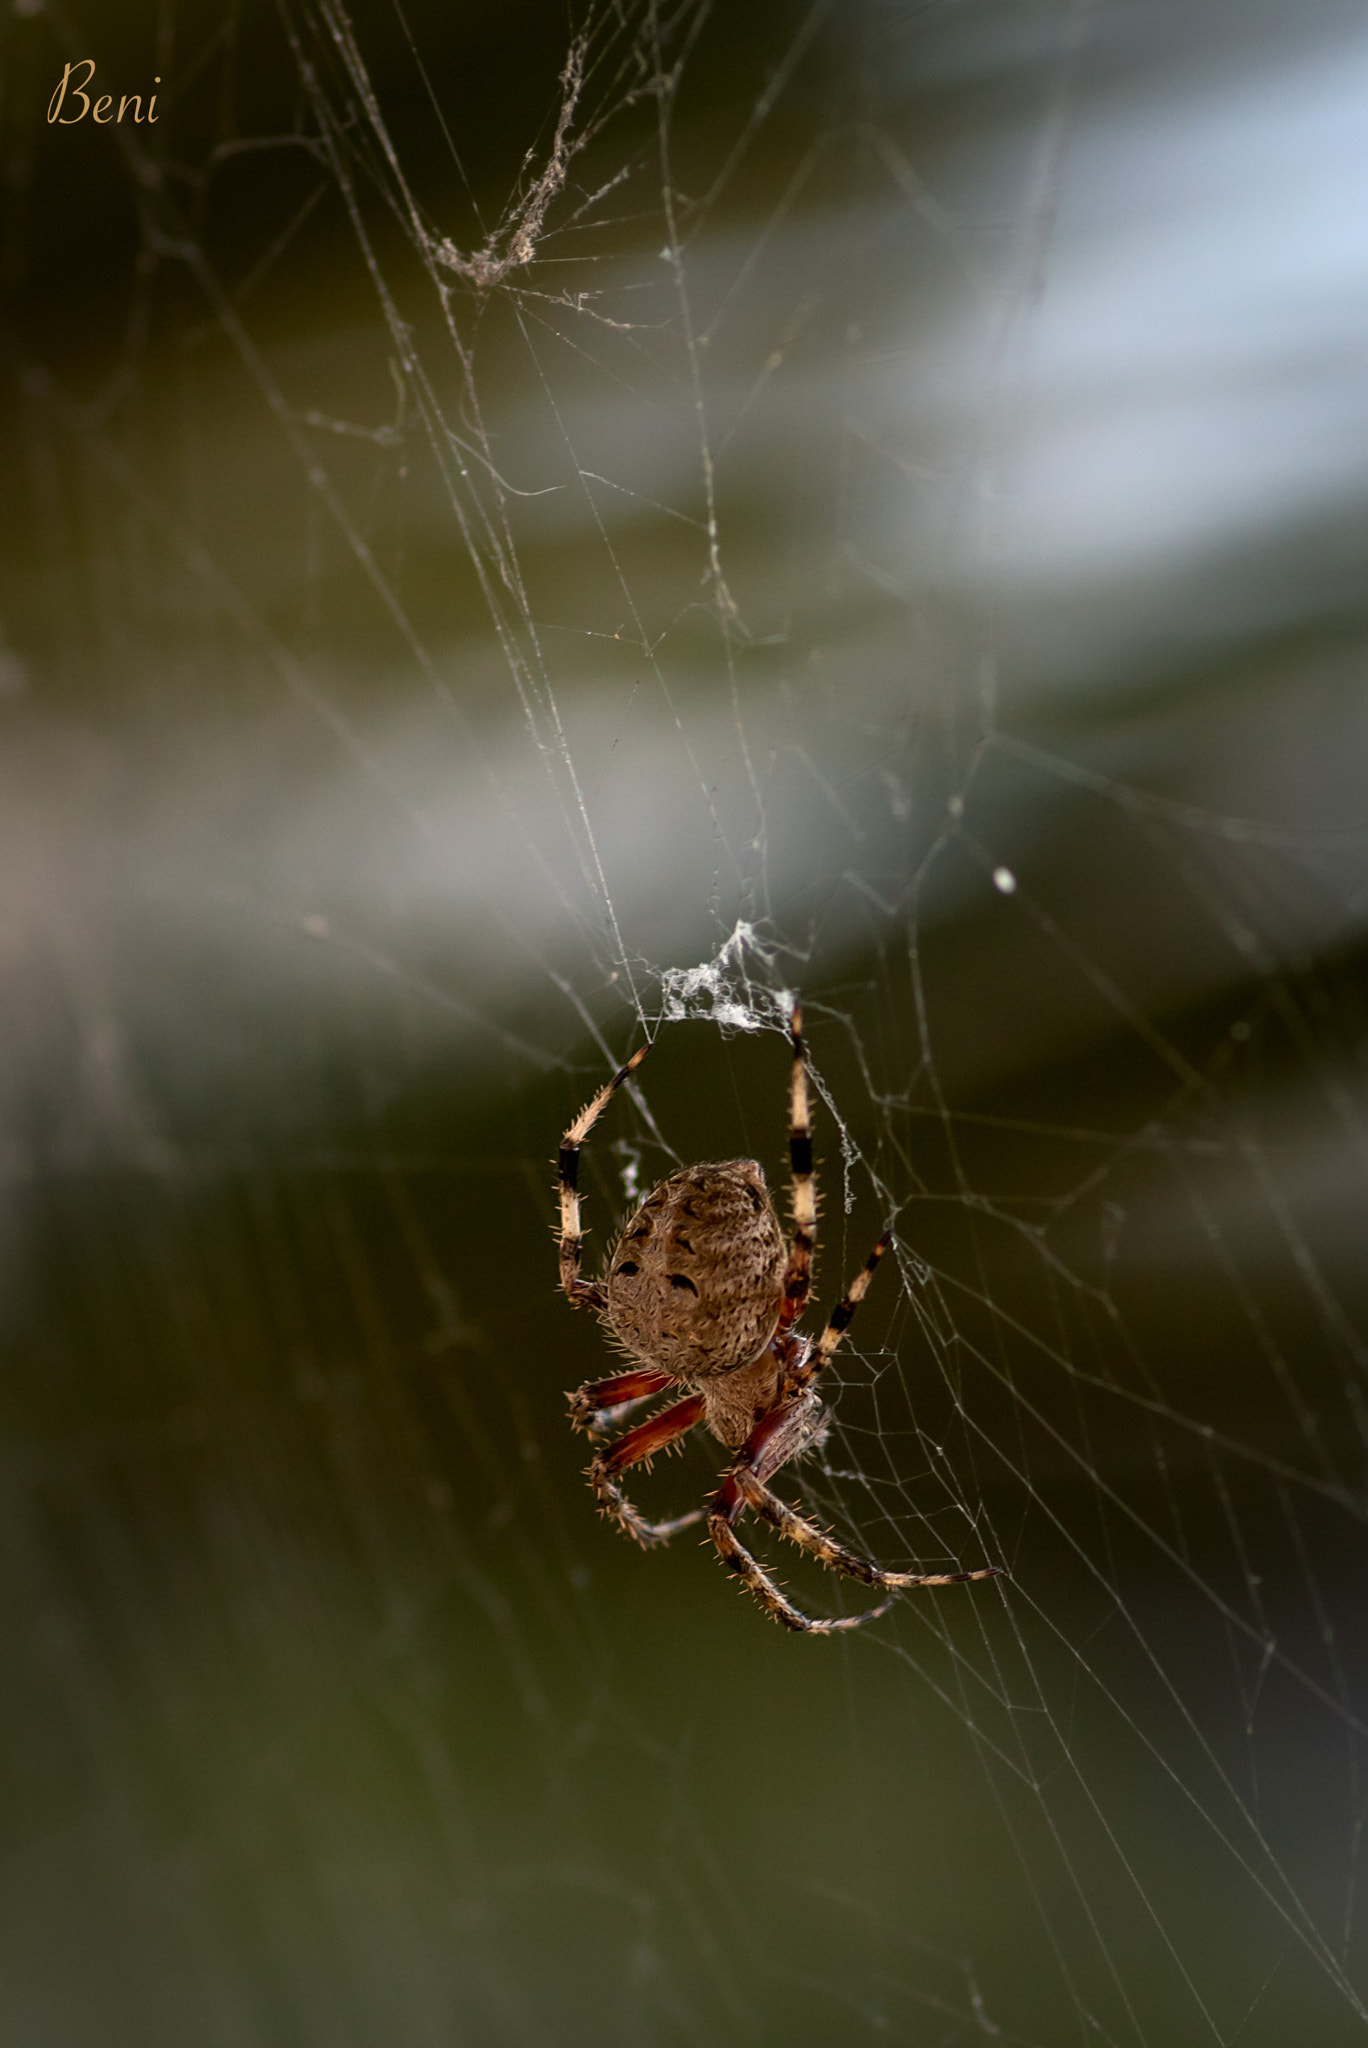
point(583, 1293)
point(803, 1184)
point(779, 1436)
point(839, 1320)
point(798, 1529)
point(597, 1397)
point(638, 1447)
point(738, 1559)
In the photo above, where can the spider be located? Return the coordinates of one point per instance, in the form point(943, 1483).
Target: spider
point(702, 1293)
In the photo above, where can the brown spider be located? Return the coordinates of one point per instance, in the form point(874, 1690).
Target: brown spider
point(703, 1293)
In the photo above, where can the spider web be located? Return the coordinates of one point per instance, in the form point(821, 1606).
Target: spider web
point(526, 535)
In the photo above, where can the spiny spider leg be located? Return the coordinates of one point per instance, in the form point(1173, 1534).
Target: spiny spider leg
point(638, 1447)
point(583, 1293)
point(597, 1398)
point(742, 1489)
point(839, 1320)
point(738, 1559)
point(778, 1436)
point(803, 1184)
point(808, 1536)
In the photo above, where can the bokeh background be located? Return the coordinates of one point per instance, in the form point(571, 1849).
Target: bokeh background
point(525, 530)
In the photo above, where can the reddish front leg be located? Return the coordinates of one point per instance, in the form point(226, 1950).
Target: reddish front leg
point(624, 1388)
point(638, 1447)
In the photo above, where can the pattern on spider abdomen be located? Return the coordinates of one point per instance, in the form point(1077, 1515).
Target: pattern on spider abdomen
point(696, 1281)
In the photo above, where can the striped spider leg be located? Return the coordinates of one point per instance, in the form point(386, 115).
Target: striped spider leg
point(795, 1422)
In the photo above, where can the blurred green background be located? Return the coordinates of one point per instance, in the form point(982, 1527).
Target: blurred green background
point(897, 539)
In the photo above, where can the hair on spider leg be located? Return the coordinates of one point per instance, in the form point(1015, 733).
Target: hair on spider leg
point(704, 1293)
point(647, 1461)
point(821, 1430)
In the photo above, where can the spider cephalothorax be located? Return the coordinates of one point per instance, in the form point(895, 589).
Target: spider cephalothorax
point(702, 1293)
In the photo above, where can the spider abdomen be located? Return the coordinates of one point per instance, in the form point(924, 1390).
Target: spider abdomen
point(695, 1283)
